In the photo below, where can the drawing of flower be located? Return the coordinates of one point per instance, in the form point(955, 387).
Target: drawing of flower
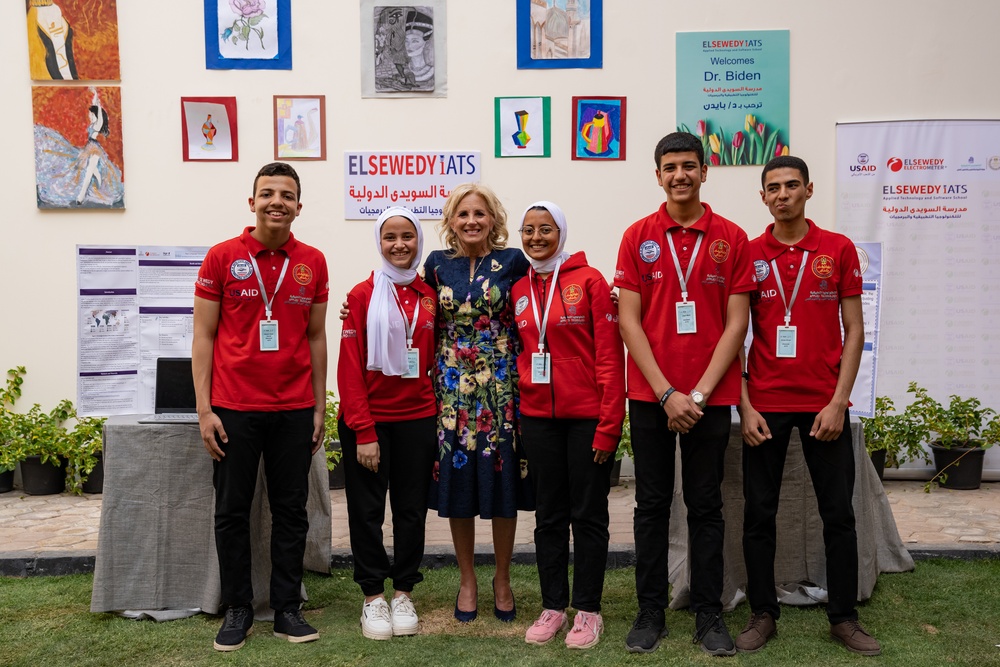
point(701, 128)
point(750, 123)
point(714, 159)
point(249, 15)
point(714, 142)
point(754, 144)
point(737, 140)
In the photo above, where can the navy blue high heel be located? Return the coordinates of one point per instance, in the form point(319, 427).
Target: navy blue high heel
point(507, 616)
point(465, 616)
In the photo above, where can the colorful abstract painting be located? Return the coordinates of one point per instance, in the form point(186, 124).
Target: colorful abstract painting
point(209, 130)
point(78, 147)
point(299, 127)
point(248, 34)
point(560, 34)
point(598, 128)
point(522, 126)
point(73, 39)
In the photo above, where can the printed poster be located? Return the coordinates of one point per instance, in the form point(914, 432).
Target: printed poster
point(733, 93)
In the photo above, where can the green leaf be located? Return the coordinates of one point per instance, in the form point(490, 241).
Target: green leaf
point(772, 143)
point(257, 19)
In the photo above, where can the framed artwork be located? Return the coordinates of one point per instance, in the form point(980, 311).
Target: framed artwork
point(73, 39)
point(403, 49)
point(299, 127)
point(522, 126)
point(78, 147)
point(560, 34)
point(248, 34)
point(208, 129)
point(598, 128)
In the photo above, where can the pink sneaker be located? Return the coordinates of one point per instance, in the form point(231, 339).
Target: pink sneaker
point(586, 632)
point(548, 625)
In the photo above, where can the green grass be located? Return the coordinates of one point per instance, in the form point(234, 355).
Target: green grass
point(944, 613)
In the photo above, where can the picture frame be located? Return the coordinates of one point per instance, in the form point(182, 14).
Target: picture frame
point(404, 49)
point(584, 49)
point(598, 128)
point(248, 34)
point(522, 126)
point(300, 127)
point(209, 130)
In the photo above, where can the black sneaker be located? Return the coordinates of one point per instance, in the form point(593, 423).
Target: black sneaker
point(290, 625)
point(647, 631)
point(237, 624)
point(711, 633)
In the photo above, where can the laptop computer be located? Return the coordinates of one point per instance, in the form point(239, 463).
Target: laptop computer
point(174, 399)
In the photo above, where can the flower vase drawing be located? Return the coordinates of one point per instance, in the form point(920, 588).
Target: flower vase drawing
point(208, 130)
point(521, 137)
point(597, 133)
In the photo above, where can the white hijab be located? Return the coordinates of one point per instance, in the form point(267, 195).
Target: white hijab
point(386, 326)
point(549, 265)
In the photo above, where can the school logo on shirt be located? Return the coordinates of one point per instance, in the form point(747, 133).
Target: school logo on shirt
point(302, 274)
point(241, 269)
point(719, 250)
point(572, 294)
point(521, 304)
point(649, 251)
point(822, 266)
point(761, 269)
point(428, 304)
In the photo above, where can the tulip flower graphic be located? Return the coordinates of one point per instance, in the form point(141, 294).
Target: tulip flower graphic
point(750, 123)
point(714, 159)
point(737, 140)
point(700, 128)
point(737, 150)
point(713, 141)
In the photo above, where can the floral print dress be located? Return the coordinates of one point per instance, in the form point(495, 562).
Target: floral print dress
point(479, 470)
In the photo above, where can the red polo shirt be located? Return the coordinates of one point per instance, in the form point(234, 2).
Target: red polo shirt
point(722, 268)
point(832, 272)
point(243, 377)
point(367, 396)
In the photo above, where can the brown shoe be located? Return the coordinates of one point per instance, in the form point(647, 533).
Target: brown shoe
point(854, 638)
point(760, 628)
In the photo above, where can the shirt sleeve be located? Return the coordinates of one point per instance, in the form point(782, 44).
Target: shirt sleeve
point(322, 282)
point(626, 271)
point(351, 378)
point(744, 277)
point(851, 280)
point(609, 362)
point(208, 285)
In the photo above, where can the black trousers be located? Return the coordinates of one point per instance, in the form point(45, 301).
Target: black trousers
point(702, 464)
point(407, 451)
point(285, 441)
point(570, 490)
point(831, 467)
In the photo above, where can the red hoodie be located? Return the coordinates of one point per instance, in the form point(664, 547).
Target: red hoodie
point(367, 396)
point(588, 359)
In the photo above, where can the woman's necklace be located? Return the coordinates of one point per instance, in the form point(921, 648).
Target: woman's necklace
point(475, 268)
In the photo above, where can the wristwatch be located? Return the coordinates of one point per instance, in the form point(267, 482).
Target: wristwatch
point(698, 398)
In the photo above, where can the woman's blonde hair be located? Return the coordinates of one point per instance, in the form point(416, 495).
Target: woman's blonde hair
point(498, 233)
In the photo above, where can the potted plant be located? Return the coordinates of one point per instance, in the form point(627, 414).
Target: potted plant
point(332, 444)
point(43, 441)
point(10, 453)
point(84, 456)
point(624, 449)
point(961, 433)
point(892, 439)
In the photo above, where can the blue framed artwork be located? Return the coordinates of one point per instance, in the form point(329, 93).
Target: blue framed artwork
point(598, 128)
point(248, 34)
point(560, 34)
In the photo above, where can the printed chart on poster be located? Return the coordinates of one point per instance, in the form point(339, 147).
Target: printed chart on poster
point(135, 303)
point(419, 181)
point(929, 191)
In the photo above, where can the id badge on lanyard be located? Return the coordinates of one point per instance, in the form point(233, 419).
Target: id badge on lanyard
point(268, 327)
point(687, 320)
point(786, 340)
point(412, 354)
point(412, 364)
point(541, 361)
point(541, 368)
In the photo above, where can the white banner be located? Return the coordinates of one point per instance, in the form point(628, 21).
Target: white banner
point(865, 387)
point(929, 191)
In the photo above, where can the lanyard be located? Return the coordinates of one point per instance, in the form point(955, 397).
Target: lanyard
point(795, 290)
point(410, 326)
point(544, 320)
point(260, 281)
point(677, 263)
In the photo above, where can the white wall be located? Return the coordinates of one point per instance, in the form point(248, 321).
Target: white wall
point(852, 60)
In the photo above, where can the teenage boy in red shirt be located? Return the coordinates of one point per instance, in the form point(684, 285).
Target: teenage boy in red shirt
point(800, 375)
point(684, 277)
point(259, 364)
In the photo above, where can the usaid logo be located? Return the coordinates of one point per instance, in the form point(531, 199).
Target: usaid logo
point(862, 167)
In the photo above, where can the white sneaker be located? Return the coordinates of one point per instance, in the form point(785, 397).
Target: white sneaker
point(404, 616)
point(375, 619)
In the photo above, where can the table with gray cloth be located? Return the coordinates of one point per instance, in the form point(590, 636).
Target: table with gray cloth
point(156, 543)
point(800, 560)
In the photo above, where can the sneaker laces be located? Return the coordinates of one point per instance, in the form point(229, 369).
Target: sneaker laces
point(585, 621)
point(236, 617)
point(403, 605)
point(714, 623)
point(378, 612)
point(646, 619)
point(546, 617)
point(294, 616)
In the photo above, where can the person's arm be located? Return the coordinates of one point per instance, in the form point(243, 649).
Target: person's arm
point(682, 411)
point(353, 386)
point(752, 424)
point(206, 325)
point(830, 420)
point(609, 363)
point(316, 333)
point(731, 341)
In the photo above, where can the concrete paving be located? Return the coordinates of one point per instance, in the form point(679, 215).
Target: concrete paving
point(61, 530)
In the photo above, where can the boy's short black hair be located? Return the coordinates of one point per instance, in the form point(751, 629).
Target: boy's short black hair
point(786, 162)
point(679, 142)
point(279, 169)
